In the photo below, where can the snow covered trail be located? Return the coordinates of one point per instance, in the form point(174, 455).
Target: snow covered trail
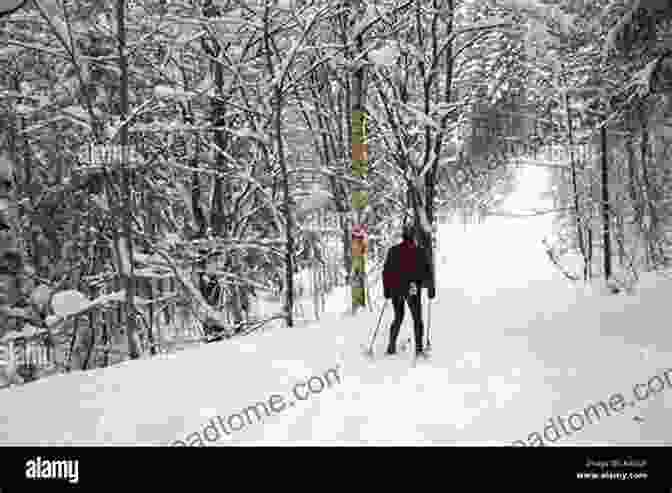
point(508, 354)
point(513, 345)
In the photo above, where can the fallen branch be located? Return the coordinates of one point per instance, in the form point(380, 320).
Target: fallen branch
point(209, 315)
point(551, 255)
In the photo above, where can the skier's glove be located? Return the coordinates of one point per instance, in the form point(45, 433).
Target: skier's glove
point(432, 293)
point(387, 294)
point(412, 289)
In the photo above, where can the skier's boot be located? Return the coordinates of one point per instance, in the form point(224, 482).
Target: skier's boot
point(394, 335)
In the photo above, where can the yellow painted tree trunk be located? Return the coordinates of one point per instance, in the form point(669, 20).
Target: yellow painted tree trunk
point(360, 197)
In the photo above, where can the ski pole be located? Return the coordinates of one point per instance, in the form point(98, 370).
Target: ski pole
point(429, 323)
point(375, 332)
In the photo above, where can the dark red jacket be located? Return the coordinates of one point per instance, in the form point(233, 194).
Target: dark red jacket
point(406, 263)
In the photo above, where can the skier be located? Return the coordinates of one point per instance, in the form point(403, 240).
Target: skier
point(407, 269)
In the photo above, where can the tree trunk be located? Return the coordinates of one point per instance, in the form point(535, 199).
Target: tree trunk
point(277, 104)
point(345, 241)
point(632, 175)
point(360, 165)
point(131, 330)
point(289, 219)
point(606, 229)
point(579, 220)
point(650, 215)
point(221, 192)
point(430, 177)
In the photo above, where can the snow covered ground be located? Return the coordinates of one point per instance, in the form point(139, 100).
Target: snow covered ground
point(513, 346)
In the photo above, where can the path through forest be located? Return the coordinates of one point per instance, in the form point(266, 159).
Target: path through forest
point(513, 345)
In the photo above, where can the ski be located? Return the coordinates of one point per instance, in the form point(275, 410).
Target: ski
point(402, 348)
point(425, 358)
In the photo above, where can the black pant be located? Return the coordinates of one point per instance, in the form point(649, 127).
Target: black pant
point(415, 305)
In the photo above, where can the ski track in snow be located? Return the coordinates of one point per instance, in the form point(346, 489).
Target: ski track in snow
point(513, 345)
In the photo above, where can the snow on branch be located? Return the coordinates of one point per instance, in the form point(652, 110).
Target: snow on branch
point(386, 56)
point(369, 18)
point(318, 199)
point(420, 116)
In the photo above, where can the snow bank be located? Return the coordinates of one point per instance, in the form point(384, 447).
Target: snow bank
point(159, 400)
